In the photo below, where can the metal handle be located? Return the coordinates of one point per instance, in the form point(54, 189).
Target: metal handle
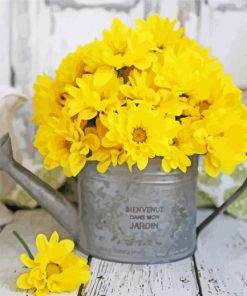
point(223, 207)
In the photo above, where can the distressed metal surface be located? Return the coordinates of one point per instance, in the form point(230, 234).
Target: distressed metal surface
point(139, 217)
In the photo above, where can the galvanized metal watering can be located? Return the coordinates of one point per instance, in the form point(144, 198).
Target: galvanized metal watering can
point(139, 217)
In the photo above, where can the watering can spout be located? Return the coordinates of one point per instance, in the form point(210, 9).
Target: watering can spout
point(47, 197)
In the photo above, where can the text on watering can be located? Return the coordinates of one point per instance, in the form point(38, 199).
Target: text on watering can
point(144, 217)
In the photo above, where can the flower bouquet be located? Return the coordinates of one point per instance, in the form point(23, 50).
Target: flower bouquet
point(138, 94)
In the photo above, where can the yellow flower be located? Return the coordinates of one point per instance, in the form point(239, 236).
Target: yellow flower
point(224, 132)
point(63, 143)
point(142, 131)
point(114, 44)
point(94, 93)
point(72, 67)
point(55, 268)
point(221, 93)
point(184, 73)
point(122, 46)
point(50, 96)
point(141, 86)
point(47, 100)
point(161, 29)
point(182, 147)
point(140, 52)
point(92, 54)
point(105, 156)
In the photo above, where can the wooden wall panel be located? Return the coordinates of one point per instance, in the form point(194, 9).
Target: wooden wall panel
point(223, 28)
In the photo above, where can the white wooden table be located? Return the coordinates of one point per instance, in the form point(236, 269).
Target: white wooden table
point(219, 266)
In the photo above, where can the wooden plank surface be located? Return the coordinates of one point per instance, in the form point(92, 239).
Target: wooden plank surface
point(221, 257)
point(115, 279)
point(107, 278)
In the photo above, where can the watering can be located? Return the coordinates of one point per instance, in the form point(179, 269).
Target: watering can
point(143, 217)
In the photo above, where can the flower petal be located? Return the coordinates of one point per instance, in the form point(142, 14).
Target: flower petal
point(54, 238)
point(22, 281)
point(42, 242)
point(42, 292)
point(71, 278)
point(67, 244)
point(102, 76)
point(28, 262)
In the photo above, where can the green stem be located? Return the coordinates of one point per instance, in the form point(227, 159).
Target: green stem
point(25, 246)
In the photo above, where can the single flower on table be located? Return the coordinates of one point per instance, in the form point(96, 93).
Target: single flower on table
point(55, 268)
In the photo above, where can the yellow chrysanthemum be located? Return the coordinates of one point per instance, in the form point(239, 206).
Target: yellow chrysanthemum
point(224, 132)
point(114, 44)
point(55, 268)
point(140, 52)
point(105, 156)
point(47, 100)
point(181, 148)
point(63, 143)
point(122, 46)
point(71, 67)
point(143, 132)
point(140, 86)
point(92, 54)
point(185, 73)
point(162, 31)
point(94, 93)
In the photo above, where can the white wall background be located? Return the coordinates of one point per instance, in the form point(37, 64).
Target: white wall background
point(36, 34)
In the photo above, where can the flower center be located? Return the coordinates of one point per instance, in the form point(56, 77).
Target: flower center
point(124, 72)
point(67, 145)
point(139, 135)
point(204, 105)
point(184, 95)
point(175, 142)
point(52, 268)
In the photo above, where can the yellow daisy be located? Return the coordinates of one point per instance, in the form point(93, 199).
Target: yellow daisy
point(140, 86)
point(142, 131)
point(94, 93)
point(140, 52)
point(105, 156)
point(62, 142)
point(114, 44)
point(162, 30)
point(182, 147)
point(71, 67)
point(55, 269)
point(47, 100)
point(224, 132)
